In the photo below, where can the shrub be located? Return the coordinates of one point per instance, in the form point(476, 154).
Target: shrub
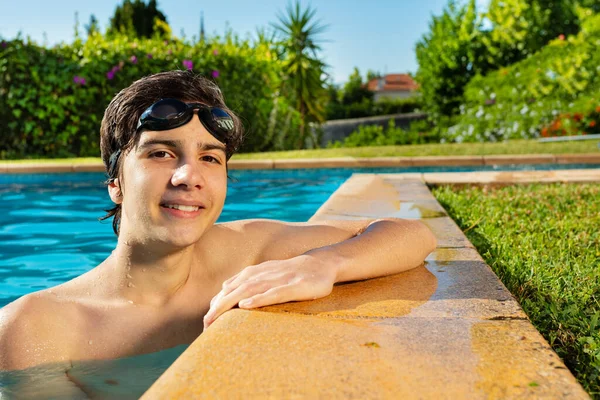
point(52, 99)
point(518, 101)
point(375, 135)
point(368, 108)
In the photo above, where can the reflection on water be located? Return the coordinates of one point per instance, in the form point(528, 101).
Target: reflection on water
point(125, 378)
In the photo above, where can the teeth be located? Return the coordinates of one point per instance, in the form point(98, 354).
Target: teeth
point(182, 207)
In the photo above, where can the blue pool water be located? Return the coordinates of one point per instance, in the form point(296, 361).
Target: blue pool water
point(49, 229)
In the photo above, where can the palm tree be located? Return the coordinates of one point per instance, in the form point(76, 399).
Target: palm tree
point(304, 71)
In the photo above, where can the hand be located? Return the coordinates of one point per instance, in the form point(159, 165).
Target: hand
point(300, 278)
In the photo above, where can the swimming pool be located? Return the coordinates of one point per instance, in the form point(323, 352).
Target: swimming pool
point(49, 229)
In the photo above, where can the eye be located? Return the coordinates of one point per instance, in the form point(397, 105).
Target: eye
point(160, 154)
point(211, 159)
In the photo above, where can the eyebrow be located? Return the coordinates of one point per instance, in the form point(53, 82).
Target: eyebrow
point(178, 143)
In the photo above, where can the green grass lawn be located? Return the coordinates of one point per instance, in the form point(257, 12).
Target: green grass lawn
point(477, 149)
point(543, 242)
point(454, 149)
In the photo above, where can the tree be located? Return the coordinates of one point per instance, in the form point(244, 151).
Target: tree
point(92, 27)
point(519, 28)
point(449, 55)
point(137, 18)
point(355, 91)
point(304, 71)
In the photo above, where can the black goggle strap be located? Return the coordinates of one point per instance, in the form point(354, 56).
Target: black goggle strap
point(112, 165)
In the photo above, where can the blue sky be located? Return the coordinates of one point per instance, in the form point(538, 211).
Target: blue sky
point(379, 35)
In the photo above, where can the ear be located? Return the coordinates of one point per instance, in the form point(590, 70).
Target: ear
point(114, 191)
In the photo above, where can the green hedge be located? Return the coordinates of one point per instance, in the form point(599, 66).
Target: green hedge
point(369, 108)
point(419, 132)
point(520, 100)
point(52, 99)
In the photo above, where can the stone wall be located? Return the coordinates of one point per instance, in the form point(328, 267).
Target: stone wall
point(339, 129)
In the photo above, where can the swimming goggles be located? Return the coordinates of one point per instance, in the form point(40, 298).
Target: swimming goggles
point(168, 114)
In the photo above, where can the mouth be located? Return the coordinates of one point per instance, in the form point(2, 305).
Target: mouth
point(182, 210)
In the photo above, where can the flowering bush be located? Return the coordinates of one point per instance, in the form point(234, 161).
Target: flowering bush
point(569, 124)
point(553, 89)
point(52, 99)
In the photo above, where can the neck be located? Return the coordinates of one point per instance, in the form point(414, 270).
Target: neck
point(149, 275)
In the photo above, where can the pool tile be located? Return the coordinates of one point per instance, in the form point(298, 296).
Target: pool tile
point(447, 233)
point(447, 160)
point(384, 162)
point(341, 162)
point(593, 158)
point(250, 164)
point(506, 159)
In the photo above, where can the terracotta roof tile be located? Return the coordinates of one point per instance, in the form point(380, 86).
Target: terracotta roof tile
point(393, 82)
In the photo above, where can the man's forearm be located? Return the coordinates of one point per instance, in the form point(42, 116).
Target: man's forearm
point(386, 247)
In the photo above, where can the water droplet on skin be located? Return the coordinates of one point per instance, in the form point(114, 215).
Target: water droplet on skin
point(50, 291)
point(143, 269)
point(130, 284)
point(130, 302)
point(129, 276)
point(90, 342)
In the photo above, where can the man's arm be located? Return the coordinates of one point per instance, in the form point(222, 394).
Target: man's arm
point(303, 261)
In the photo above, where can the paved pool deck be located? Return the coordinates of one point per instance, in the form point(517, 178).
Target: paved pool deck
point(448, 329)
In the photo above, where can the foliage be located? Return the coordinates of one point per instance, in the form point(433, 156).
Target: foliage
point(92, 27)
point(449, 55)
point(368, 108)
point(136, 18)
point(302, 66)
point(355, 90)
point(52, 99)
point(462, 44)
point(375, 135)
point(543, 242)
point(520, 100)
point(519, 28)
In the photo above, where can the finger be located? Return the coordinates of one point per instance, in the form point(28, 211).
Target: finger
point(229, 301)
point(275, 295)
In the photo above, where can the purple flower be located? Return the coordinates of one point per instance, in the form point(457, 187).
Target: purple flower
point(188, 64)
point(110, 75)
point(215, 74)
point(115, 69)
point(149, 56)
point(133, 59)
point(4, 44)
point(79, 80)
point(215, 52)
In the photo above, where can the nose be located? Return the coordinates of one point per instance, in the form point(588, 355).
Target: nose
point(188, 174)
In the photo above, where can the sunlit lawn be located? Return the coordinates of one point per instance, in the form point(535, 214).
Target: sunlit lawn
point(543, 242)
point(455, 149)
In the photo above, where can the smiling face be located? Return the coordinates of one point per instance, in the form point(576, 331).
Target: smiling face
point(174, 185)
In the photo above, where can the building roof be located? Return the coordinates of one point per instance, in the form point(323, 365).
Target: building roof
point(392, 82)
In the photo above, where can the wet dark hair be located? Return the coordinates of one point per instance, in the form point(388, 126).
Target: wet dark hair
point(118, 129)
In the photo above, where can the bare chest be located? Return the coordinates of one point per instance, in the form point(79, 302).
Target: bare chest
point(127, 331)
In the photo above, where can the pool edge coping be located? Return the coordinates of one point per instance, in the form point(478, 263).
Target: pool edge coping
point(338, 162)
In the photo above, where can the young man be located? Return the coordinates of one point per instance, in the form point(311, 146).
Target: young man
point(166, 140)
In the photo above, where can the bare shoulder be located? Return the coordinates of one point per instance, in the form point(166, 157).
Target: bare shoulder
point(29, 332)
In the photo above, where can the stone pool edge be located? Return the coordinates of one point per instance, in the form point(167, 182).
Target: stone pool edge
point(448, 329)
point(341, 162)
